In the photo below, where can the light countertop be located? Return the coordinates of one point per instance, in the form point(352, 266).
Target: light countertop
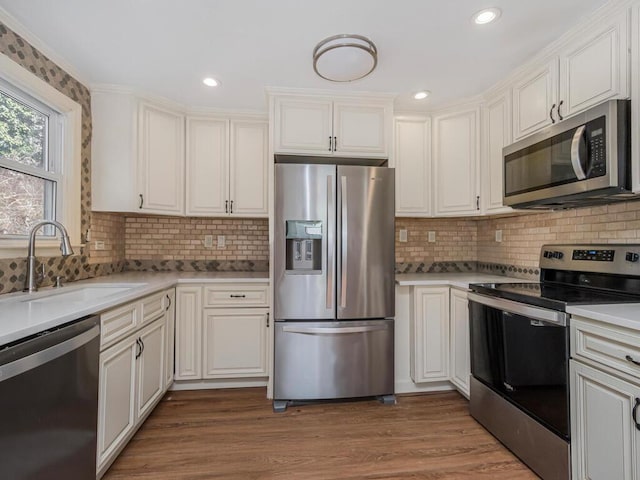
point(623, 315)
point(21, 317)
point(460, 280)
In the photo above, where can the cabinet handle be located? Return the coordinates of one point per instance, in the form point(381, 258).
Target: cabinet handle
point(168, 306)
point(335, 144)
point(477, 202)
point(139, 352)
point(267, 319)
point(231, 209)
point(559, 114)
point(629, 358)
point(142, 343)
point(226, 206)
point(237, 296)
point(553, 120)
point(141, 201)
point(330, 145)
point(634, 413)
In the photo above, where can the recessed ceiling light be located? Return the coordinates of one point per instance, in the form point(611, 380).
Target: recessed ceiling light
point(210, 82)
point(487, 15)
point(421, 95)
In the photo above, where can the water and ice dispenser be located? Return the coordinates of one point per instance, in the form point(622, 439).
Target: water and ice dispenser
point(304, 247)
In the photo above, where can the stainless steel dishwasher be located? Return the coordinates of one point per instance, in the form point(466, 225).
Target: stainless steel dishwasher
point(49, 403)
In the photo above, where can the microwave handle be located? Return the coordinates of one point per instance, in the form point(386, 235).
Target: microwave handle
point(575, 153)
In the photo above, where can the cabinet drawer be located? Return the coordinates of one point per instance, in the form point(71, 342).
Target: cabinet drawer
point(118, 323)
point(609, 345)
point(153, 307)
point(235, 295)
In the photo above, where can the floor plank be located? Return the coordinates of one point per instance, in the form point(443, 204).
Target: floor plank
point(233, 434)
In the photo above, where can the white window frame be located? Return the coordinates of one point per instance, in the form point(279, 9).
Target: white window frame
point(68, 195)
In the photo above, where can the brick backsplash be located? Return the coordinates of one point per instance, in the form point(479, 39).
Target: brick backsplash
point(455, 240)
point(108, 228)
point(178, 238)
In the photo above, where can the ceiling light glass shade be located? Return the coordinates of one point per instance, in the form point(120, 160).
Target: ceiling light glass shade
point(210, 82)
point(487, 16)
point(421, 95)
point(345, 58)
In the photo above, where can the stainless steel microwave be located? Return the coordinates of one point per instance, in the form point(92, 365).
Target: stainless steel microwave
point(584, 160)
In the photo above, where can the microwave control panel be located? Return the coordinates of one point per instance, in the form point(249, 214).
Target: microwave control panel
point(596, 147)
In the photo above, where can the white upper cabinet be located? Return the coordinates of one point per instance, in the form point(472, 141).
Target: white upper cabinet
point(597, 69)
point(160, 160)
point(496, 134)
point(534, 100)
point(227, 167)
point(308, 125)
point(412, 159)
point(589, 70)
point(455, 159)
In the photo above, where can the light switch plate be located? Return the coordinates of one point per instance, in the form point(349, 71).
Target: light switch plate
point(98, 245)
point(221, 242)
point(403, 235)
point(432, 237)
point(498, 236)
point(208, 241)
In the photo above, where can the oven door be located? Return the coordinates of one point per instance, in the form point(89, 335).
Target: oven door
point(522, 353)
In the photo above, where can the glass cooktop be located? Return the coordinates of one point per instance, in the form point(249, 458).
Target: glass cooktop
point(552, 295)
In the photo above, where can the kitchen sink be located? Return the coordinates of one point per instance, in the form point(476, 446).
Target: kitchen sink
point(82, 294)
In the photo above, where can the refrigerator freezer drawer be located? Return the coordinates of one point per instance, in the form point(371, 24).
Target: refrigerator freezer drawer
point(324, 360)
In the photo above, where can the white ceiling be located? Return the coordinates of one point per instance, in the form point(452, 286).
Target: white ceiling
point(166, 47)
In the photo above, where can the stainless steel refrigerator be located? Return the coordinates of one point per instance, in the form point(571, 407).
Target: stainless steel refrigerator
point(333, 282)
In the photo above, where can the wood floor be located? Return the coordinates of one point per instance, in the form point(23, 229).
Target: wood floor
point(233, 434)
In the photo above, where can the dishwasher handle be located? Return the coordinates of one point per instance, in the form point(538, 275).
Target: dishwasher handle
point(47, 347)
point(329, 330)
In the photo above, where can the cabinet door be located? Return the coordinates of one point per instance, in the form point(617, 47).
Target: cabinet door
point(605, 442)
point(160, 160)
point(496, 122)
point(207, 166)
point(460, 348)
point(455, 163)
point(151, 366)
point(534, 98)
point(430, 334)
point(248, 168)
point(188, 333)
point(413, 167)
point(303, 126)
point(116, 398)
point(170, 318)
point(235, 342)
point(360, 130)
point(596, 70)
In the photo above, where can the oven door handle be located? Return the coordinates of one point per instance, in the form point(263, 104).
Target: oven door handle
point(535, 313)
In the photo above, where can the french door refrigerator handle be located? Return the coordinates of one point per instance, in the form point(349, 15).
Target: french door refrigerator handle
point(536, 313)
point(329, 244)
point(343, 242)
point(325, 330)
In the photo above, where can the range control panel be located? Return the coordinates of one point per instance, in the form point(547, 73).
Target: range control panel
point(620, 259)
point(594, 255)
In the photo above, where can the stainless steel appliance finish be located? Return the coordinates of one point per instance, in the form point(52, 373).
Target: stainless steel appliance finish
point(546, 453)
point(49, 404)
point(520, 347)
point(581, 161)
point(334, 262)
point(333, 359)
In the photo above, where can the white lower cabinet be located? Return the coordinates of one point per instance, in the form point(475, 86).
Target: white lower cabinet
point(429, 346)
point(221, 334)
point(605, 438)
point(133, 375)
point(460, 348)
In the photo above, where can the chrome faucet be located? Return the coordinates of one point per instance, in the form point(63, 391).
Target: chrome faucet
point(65, 248)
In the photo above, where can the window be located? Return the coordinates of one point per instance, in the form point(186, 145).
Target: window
point(30, 169)
point(40, 137)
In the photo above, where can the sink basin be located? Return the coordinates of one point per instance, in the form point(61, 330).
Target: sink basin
point(82, 294)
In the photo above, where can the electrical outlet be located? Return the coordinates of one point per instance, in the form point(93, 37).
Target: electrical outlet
point(498, 236)
point(403, 235)
point(221, 242)
point(432, 237)
point(208, 241)
point(88, 235)
point(98, 245)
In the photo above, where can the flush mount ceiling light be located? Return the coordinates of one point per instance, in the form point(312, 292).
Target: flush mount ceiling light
point(487, 15)
point(421, 95)
point(210, 82)
point(345, 58)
